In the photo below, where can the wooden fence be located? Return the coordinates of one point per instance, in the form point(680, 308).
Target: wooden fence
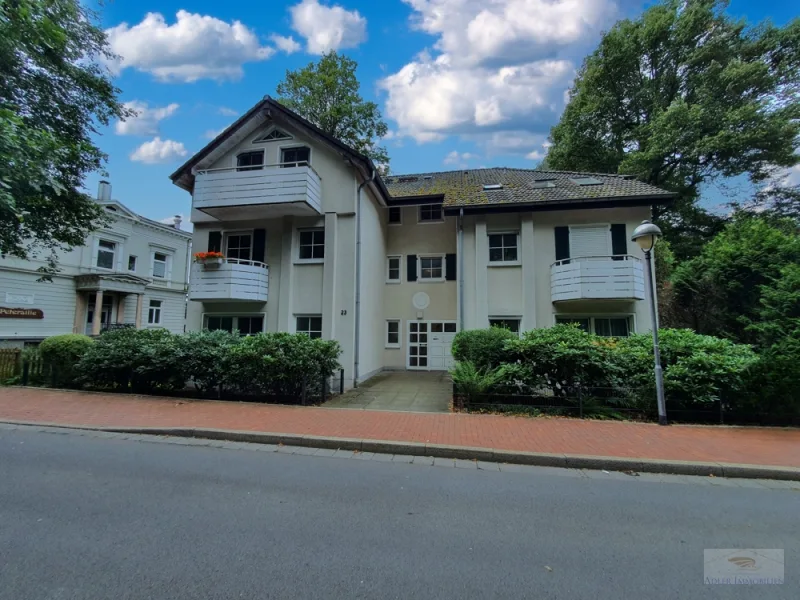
point(10, 362)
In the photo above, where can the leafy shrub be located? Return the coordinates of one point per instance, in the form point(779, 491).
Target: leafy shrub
point(279, 363)
point(560, 358)
point(139, 360)
point(206, 359)
point(698, 368)
point(62, 353)
point(474, 384)
point(485, 348)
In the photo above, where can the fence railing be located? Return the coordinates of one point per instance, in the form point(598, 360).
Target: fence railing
point(616, 402)
point(10, 362)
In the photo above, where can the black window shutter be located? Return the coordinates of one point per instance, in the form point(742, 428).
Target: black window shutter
point(450, 269)
point(259, 241)
point(215, 241)
point(619, 241)
point(562, 243)
point(411, 271)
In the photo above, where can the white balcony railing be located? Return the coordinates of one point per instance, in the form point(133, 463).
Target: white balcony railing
point(619, 277)
point(233, 280)
point(296, 188)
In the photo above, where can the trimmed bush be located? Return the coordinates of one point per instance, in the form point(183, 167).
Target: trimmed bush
point(62, 353)
point(484, 348)
point(206, 359)
point(278, 363)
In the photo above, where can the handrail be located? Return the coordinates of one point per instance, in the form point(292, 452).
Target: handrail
point(259, 168)
point(241, 261)
point(615, 257)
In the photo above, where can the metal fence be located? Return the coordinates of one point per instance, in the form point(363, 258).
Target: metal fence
point(614, 403)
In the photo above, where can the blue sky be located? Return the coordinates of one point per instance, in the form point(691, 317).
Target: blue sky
point(461, 83)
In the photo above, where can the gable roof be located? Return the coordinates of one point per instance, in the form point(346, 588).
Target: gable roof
point(270, 109)
point(465, 188)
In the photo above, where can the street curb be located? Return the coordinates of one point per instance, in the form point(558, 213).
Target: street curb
point(542, 459)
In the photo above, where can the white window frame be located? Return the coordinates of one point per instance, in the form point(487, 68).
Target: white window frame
point(297, 144)
point(135, 263)
point(420, 278)
point(154, 313)
point(225, 238)
point(389, 212)
point(508, 318)
point(399, 343)
point(299, 246)
point(235, 319)
point(632, 327)
point(609, 244)
point(113, 253)
point(166, 265)
point(243, 151)
point(503, 263)
point(422, 221)
point(399, 258)
point(309, 316)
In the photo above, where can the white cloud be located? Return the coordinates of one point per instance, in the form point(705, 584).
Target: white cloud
point(285, 44)
point(791, 177)
point(228, 112)
point(459, 159)
point(158, 151)
point(327, 27)
point(147, 119)
point(499, 69)
point(194, 47)
point(535, 155)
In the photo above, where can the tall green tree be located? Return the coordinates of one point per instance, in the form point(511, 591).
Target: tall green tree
point(54, 92)
point(680, 97)
point(327, 94)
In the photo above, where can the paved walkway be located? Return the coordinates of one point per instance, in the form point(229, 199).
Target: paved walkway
point(755, 446)
point(418, 391)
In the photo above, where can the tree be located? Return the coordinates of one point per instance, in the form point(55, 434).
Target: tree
point(680, 97)
point(327, 94)
point(722, 291)
point(54, 92)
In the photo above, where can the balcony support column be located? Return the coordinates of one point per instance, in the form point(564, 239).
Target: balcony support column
point(481, 273)
point(287, 271)
point(329, 278)
point(528, 259)
point(97, 316)
point(139, 305)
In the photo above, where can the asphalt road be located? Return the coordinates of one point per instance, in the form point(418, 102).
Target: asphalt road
point(89, 516)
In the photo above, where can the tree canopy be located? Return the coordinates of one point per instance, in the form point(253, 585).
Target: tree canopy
point(327, 94)
point(679, 97)
point(54, 92)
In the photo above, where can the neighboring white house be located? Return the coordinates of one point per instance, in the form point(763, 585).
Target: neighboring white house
point(316, 241)
point(132, 272)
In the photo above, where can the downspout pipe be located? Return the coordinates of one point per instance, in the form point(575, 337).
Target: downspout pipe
point(460, 250)
point(357, 345)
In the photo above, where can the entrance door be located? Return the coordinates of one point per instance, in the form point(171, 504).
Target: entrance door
point(105, 313)
point(429, 345)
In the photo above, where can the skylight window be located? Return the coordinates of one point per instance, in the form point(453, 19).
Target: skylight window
point(541, 184)
point(407, 179)
point(492, 186)
point(586, 181)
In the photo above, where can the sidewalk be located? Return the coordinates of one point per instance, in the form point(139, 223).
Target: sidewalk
point(589, 439)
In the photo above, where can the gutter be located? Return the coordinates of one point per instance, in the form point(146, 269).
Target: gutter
point(357, 345)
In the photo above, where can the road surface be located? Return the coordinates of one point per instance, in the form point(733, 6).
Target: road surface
point(86, 515)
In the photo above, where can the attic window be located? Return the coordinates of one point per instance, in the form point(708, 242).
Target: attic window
point(541, 184)
point(272, 136)
point(492, 186)
point(111, 208)
point(407, 179)
point(586, 181)
point(428, 177)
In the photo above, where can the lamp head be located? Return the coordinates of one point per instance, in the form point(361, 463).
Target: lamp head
point(646, 235)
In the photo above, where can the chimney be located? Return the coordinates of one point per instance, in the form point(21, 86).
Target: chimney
point(104, 191)
point(176, 223)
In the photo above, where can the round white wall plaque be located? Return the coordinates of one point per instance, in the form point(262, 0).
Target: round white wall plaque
point(421, 300)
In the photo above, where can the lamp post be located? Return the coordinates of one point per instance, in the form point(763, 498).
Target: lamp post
point(646, 236)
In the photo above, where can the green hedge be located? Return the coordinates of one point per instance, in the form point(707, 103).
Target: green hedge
point(216, 363)
point(61, 353)
point(484, 348)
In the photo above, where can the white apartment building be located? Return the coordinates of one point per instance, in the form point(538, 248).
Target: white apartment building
point(316, 241)
point(132, 272)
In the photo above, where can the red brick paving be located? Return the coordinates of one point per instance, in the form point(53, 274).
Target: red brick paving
point(757, 446)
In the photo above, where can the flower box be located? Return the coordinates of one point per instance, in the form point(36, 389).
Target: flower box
point(209, 259)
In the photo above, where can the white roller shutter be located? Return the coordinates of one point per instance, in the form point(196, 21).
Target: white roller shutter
point(589, 240)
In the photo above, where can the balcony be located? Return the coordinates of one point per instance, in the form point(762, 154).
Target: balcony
point(267, 191)
point(597, 278)
point(232, 281)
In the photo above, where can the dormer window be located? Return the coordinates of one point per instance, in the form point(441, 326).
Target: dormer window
point(250, 161)
point(295, 157)
point(273, 136)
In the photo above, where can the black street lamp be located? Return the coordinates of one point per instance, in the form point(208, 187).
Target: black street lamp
point(647, 235)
